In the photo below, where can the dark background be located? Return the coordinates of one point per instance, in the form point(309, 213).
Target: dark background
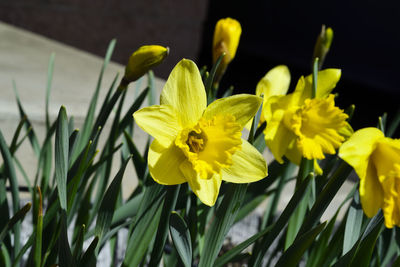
point(365, 45)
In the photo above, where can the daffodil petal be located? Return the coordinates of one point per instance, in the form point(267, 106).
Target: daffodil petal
point(248, 166)
point(205, 189)
point(158, 121)
point(327, 80)
point(275, 82)
point(184, 90)
point(357, 150)
point(371, 192)
point(164, 163)
point(243, 107)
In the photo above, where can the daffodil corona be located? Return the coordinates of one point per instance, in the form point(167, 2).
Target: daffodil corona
point(376, 160)
point(198, 144)
point(299, 126)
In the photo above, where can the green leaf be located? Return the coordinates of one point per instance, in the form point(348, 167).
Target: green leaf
point(89, 258)
point(79, 243)
point(181, 238)
point(314, 78)
point(64, 251)
point(28, 125)
point(87, 125)
point(224, 218)
point(210, 80)
point(107, 207)
point(61, 156)
point(324, 198)
point(353, 224)
point(366, 248)
point(145, 226)
point(19, 216)
point(250, 207)
point(10, 173)
point(138, 160)
point(229, 255)
point(48, 87)
point(292, 256)
point(169, 205)
point(296, 220)
point(39, 229)
point(280, 224)
point(128, 118)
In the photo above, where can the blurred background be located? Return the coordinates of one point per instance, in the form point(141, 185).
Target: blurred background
point(365, 44)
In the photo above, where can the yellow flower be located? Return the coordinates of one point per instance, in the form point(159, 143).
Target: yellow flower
point(143, 59)
point(376, 160)
point(226, 39)
point(198, 144)
point(298, 126)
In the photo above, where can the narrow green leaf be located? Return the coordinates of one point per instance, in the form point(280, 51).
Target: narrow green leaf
point(224, 218)
point(210, 80)
point(64, 251)
point(128, 118)
point(61, 156)
point(181, 238)
point(250, 207)
point(145, 226)
point(138, 161)
point(28, 125)
point(394, 124)
point(107, 207)
point(50, 70)
point(314, 78)
point(88, 124)
point(5, 258)
point(14, 143)
point(39, 229)
point(10, 173)
point(79, 243)
point(353, 224)
point(296, 220)
point(89, 257)
point(162, 231)
point(229, 255)
point(366, 248)
point(323, 200)
point(280, 224)
point(254, 125)
point(19, 216)
point(292, 256)
point(151, 85)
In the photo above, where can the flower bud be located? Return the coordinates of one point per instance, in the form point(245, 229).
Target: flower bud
point(143, 59)
point(323, 44)
point(226, 39)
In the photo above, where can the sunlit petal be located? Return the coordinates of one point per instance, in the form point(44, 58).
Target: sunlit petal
point(158, 121)
point(164, 164)
point(205, 189)
point(248, 166)
point(357, 150)
point(275, 82)
point(371, 192)
point(243, 107)
point(184, 90)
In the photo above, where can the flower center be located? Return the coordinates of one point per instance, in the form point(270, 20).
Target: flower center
point(210, 144)
point(196, 141)
point(317, 125)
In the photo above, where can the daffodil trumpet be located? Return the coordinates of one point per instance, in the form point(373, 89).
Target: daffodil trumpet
point(196, 143)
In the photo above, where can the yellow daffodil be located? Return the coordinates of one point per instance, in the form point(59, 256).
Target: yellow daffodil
point(376, 160)
point(298, 126)
point(226, 40)
point(198, 144)
point(143, 59)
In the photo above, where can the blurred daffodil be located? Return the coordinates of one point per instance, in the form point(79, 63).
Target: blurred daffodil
point(376, 160)
point(226, 40)
point(198, 144)
point(143, 59)
point(300, 126)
